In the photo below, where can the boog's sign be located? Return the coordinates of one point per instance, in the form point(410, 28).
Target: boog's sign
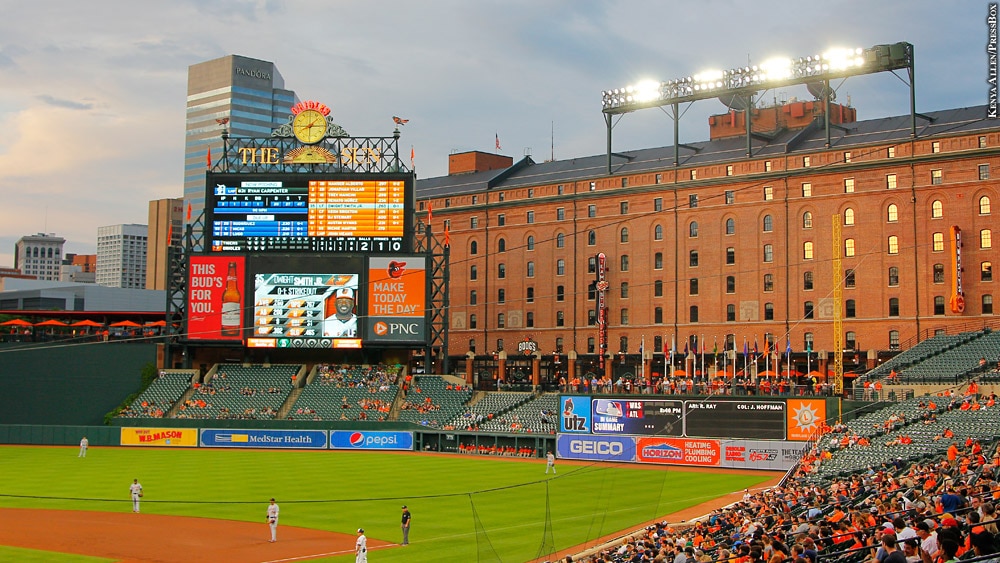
point(596, 448)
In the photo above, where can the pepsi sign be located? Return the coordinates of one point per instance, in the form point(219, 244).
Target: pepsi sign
point(370, 440)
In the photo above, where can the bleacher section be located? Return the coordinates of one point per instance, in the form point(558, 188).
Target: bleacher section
point(492, 404)
point(920, 352)
point(247, 392)
point(157, 400)
point(528, 417)
point(348, 393)
point(432, 401)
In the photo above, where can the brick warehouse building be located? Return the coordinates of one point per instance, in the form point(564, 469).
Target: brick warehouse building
point(723, 247)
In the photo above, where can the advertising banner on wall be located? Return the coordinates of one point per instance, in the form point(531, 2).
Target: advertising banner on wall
point(805, 417)
point(761, 454)
point(175, 437)
point(215, 298)
point(678, 451)
point(365, 440)
point(397, 299)
point(574, 414)
point(233, 438)
point(596, 448)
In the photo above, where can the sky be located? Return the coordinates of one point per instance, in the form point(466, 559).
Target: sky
point(92, 94)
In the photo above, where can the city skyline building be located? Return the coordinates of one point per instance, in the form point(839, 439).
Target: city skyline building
point(242, 95)
point(165, 228)
point(121, 256)
point(39, 255)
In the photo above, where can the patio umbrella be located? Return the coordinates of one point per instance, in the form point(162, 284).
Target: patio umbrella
point(156, 323)
point(51, 322)
point(767, 373)
point(125, 324)
point(87, 323)
point(16, 322)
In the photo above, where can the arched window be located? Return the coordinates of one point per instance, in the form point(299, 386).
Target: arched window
point(849, 216)
point(807, 220)
point(658, 232)
point(473, 247)
point(693, 229)
point(807, 250)
point(849, 247)
point(984, 205)
point(892, 213)
point(531, 243)
point(502, 245)
point(937, 209)
point(730, 284)
point(530, 270)
point(807, 281)
point(768, 224)
point(768, 311)
point(591, 238)
point(560, 240)
point(658, 261)
point(624, 234)
point(730, 226)
point(985, 238)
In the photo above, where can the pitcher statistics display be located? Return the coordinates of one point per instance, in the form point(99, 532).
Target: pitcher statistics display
point(215, 298)
point(309, 310)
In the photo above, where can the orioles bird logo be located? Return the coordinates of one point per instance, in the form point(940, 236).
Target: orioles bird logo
point(396, 269)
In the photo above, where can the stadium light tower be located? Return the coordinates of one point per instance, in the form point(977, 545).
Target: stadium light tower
point(738, 86)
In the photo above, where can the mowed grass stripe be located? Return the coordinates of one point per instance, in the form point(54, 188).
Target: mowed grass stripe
point(342, 490)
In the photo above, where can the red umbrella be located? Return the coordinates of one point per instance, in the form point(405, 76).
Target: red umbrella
point(16, 322)
point(51, 322)
point(156, 323)
point(87, 323)
point(128, 324)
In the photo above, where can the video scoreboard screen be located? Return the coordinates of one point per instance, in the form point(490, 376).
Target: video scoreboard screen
point(260, 213)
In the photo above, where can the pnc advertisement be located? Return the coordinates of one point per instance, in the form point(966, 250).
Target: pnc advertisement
point(215, 298)
point(397, 299)
point(175, 437)
point(805, 418)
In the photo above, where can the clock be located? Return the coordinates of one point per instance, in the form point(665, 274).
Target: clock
point(309, 126)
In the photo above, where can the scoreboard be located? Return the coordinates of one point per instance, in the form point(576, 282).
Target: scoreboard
point(307, 213)
point(731, 418)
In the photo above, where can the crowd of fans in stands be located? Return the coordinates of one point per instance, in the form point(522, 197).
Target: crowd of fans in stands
point(740, 384)
point(497, 450)
point(380, 377)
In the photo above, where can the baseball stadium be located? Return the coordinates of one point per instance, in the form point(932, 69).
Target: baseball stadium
point(318, 347)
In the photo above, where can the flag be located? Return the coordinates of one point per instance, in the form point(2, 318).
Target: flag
point(447, 236)
point(399, 120)
point(189, 211)
point(430, 212)
point(754, 345)
point(208, 158)
point(788, 347)
point(642, 346)
point(412, 158)
point(715, 346)
point(685, 349)
point(746, 350)
point(498, 141)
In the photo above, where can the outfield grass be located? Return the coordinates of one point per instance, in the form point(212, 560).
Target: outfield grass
point(465, 508)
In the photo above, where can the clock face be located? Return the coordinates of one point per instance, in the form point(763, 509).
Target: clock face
point(309, 126)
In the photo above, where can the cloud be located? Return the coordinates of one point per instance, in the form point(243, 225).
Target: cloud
point(68, 104)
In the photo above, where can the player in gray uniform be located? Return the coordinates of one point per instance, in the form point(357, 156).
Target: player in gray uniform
point(550, 463)
point(84, 443)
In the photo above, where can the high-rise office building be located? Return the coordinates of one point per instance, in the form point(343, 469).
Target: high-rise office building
point(166, 227)
point(121, 256)
point(246, 96)
point(39, 255)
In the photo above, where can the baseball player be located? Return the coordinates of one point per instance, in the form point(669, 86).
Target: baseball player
point(135, 489)
point(343, 323)
point(272, 520)
point(361, 547)
point(550, 463)
point(84, 443)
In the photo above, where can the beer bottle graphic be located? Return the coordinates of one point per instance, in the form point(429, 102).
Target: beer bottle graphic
point(232, 320)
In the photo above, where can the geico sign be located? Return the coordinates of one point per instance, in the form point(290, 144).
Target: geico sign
point(603, 448)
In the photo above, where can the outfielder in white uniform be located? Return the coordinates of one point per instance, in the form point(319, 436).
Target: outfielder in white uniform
point(272, 520)
point(83, 447)
point(136, 490)
point(361, 547)
point(550, 463)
